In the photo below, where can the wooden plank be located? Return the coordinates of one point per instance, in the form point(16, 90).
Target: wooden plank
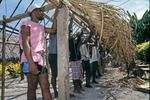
point(9, 31)
point(11, 43)
point(63, 56)
point(144, 66)
point(50, 5)
point(145, 69)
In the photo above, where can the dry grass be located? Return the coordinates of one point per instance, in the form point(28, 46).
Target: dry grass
point(111, 23)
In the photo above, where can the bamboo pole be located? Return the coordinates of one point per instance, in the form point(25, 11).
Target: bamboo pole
point(9, 31)
point(80, 17)
point(12, 28)
point(17, 17)
point(11, 43)
point(3, 61)
point(102, 23)
point(63, 54)
point(79, 22)
point(50, 5)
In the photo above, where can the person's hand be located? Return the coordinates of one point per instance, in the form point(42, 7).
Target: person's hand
point(33, 69)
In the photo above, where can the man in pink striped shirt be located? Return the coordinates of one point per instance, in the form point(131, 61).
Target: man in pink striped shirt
point(32, 41)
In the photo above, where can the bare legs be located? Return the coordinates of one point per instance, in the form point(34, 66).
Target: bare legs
point(32, 85)
point(43, 80)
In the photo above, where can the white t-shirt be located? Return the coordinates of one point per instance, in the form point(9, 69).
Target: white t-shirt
point(84, 52)
point(94, 56)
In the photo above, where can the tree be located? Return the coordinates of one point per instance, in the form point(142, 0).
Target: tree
point(141, 34)
point(140, 27)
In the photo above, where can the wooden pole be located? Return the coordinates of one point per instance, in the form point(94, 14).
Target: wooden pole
point(6, 30)
point(12, 28)
point(63, 53)
point(3, 61)
point(50, 5)
point(11, 43)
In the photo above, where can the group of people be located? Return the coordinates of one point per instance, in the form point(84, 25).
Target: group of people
point(83, 56)
point(84, 60)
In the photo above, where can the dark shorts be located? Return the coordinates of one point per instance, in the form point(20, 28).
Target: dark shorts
point(41, 68)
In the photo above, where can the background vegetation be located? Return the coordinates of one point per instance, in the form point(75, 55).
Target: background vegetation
point(12, 69)
point(141, 35)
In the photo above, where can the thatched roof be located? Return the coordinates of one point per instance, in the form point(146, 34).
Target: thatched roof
point(111, 23)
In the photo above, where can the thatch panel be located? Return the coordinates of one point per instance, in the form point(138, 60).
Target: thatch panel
point(111, 24)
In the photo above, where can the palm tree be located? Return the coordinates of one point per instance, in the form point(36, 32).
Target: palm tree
point(140, 27)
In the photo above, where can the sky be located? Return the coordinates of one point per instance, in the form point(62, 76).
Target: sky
point(137, 6)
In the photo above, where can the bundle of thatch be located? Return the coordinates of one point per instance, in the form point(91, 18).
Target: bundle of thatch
point(111, 24)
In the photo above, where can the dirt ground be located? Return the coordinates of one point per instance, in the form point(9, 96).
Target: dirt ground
point(112, 86)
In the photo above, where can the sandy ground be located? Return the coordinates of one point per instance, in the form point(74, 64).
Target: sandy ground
point(16, 90)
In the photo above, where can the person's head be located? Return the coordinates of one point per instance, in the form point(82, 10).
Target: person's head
point(35, 12)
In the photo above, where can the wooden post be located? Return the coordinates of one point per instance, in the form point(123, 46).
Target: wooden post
point(3, 61)
point(63, 54)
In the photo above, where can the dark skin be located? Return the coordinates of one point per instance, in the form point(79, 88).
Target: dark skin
point(35, 77)
point(36, 16)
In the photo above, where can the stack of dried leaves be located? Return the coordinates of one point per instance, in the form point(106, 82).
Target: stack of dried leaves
point(111, 23)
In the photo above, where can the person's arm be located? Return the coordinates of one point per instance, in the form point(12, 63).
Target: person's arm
point(25, 31)
point(53, 30)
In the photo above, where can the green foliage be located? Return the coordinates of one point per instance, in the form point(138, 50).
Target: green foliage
point(140, 27)
point(143, 51)
point(11, 69)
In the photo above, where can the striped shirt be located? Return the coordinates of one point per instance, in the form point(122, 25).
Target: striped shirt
point(84, 52)
point(94, 56)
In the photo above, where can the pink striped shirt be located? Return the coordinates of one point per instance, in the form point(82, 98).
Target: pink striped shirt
point(37, 40)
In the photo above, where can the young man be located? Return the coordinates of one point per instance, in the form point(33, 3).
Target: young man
point(52, 58)
point(86, 63)
point(75, 62)
point(93, 59)
point(32, 41)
